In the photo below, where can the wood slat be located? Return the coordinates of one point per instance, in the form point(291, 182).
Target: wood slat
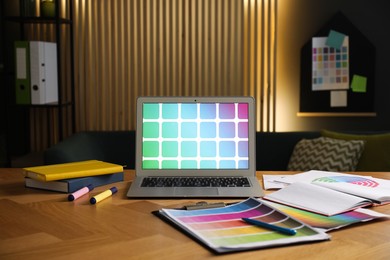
point(126, 49)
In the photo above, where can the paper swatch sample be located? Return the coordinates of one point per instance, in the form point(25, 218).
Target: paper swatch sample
point(359, 84)
point(335, 39)
point(328, 223)
point(338, 98)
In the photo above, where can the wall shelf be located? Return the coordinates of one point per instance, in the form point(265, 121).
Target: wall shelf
point(338, 114)
point(60, 116)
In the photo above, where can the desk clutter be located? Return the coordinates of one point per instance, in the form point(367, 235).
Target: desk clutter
point(77, 178)
point(306, 196)
point(226, 229)
point(310, 204)
point(303, 209)
point(330, 193)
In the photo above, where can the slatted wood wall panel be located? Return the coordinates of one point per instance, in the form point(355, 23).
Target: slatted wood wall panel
point(129, 48)
point(126, 49)
point(259, 41)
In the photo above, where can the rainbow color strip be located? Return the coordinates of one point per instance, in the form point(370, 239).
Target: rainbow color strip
point(223, 227)
point(324, 222)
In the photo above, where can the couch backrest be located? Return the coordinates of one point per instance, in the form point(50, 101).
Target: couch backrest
point(273, 149)
point(110, 146)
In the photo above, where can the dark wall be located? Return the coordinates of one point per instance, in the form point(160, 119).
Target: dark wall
point(299, 21)
point(14, 122)
point(3, 153)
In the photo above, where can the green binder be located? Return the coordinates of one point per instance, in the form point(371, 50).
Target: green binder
point(22, 73)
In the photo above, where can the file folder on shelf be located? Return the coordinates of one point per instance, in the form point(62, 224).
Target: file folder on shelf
point(22, 75)
point(43, 68)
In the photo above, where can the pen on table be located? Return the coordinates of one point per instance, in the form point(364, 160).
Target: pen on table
point(101, 196)
point(259, 223)
point(77, 194)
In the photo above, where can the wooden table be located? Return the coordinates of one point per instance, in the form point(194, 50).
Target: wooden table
point(39, 224)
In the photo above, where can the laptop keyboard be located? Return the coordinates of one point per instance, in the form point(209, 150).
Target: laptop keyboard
point(195, 182)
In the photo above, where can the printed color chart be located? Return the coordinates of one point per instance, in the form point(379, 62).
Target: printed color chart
point(195, 136)
point(329, 223)
point(223, 228)
point(330, 66)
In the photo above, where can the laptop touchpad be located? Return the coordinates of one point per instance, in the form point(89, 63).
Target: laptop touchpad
point(186, 191)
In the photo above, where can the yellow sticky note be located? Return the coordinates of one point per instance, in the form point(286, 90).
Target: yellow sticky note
point(359, 83)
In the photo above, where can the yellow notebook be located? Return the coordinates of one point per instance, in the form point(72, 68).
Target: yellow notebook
point(71, 170)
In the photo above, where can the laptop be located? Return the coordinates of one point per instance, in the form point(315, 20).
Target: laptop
point(195, 147)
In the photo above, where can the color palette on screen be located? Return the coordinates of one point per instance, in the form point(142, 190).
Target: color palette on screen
point(195, 136)
point(330, 66)
point(224, 227)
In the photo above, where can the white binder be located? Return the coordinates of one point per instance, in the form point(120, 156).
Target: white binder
point(43, 68)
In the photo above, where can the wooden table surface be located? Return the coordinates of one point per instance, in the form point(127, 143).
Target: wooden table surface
point(37, 224)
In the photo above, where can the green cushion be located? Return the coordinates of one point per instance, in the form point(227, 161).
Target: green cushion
point(376, 154)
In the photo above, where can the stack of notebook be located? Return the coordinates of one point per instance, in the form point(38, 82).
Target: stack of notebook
point(70, 177)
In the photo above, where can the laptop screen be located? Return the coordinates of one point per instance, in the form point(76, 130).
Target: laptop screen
point(195, 135)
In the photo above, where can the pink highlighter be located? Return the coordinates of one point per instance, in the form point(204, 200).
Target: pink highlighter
point(77, 194)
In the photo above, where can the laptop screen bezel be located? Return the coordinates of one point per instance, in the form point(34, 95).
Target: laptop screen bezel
point(250, 171)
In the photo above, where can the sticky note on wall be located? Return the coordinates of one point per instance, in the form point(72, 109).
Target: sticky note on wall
point(359, 83)
point(335, 39)
point(338, 98)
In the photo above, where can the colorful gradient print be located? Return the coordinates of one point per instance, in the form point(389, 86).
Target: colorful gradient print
point(224, 227)
point(349, 179)
point(324, 222)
